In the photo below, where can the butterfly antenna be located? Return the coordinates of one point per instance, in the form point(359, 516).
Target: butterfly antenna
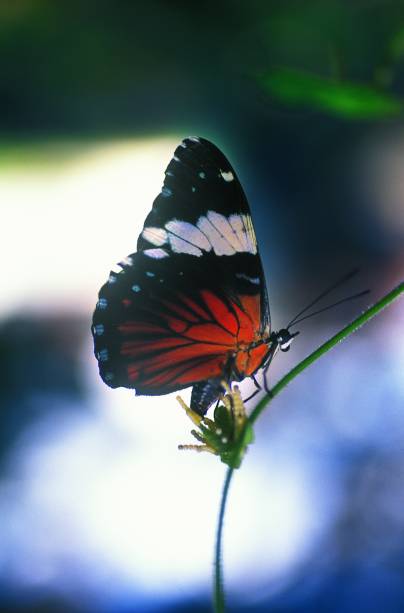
point(330, 306)
point(324, 293)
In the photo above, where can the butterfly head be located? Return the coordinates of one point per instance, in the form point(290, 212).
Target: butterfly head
point(283, 338)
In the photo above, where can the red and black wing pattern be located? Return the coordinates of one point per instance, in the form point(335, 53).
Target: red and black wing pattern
point(190, 305)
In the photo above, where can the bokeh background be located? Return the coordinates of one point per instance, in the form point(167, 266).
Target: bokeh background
point(99, 511)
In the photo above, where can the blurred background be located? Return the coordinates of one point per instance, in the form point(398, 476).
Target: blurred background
point(99, 511)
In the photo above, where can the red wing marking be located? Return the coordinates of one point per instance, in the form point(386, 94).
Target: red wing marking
point(187, 375)
point(191, 344)
point(257, 356)
point(249, 318)
point(249, 361)
point(161, 353)
point(182, 312)
point(133, 372)
point(246, 332)
point(220, 311)
point(180, 355)
point(194, 307)
point(211, 333)
point(135, 348)
point(252, 308)
point(176, 325)
point(209, 369)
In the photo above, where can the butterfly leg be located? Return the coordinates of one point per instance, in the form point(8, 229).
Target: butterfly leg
point(266, 386)
point(251, 396)
point(257, 385)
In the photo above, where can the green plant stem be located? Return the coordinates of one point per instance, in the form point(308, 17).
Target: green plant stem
point(218, 595)
point(337, 338)
point(218, 591)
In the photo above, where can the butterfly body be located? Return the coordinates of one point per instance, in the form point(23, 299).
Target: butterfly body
point(189, 307)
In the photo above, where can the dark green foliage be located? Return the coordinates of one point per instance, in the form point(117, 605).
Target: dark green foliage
point(347, 99)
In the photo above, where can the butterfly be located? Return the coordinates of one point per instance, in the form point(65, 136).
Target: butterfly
point(190, 306)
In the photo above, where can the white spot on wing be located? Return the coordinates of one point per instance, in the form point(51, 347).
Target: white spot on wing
point(155, 236)
point(236, 223)
point(178, 245)
point(251, 239)
point(136, 288)
point(194, 138)
point(128, 261)
point(219, 244)
point(202, 174)
point(254, 280)
point(166, 192)
point(188, 232)
point(156, 254)
point(103, 355)
point(226, 235)
point(102, 303)
point(242, 226)
point(222, 224)
point(227, 175)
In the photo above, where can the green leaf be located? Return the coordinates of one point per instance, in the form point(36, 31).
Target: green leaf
point(343, 98)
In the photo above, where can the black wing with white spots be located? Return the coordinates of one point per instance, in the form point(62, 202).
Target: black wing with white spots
point(199, 178)
point(194, 292)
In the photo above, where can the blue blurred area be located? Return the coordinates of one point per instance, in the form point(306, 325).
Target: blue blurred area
point(99, 511)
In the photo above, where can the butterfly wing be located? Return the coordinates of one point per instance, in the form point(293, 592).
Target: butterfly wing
point(194, 292)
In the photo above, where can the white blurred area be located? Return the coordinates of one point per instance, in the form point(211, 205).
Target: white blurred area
point(100, 502)
point(68, 219)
